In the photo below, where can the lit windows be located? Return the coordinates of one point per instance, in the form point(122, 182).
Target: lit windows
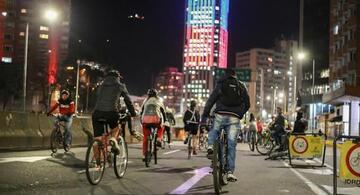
point(44, 36)
point(44, 28)
point(21, 34)
point(6, 59)
point(23, 11)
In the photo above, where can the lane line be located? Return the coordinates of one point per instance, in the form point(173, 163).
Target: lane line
point(170, 152)
point(312, 186)
point(199, 174)
point(329, 166)
point(24, 159)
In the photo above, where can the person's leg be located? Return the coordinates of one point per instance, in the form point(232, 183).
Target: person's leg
point(195, 142)
point(168, 133)
point(67, 134)
point(232, 132)
point(129, 122)
point(123, 130)
point(160, 132)
point(146, 133)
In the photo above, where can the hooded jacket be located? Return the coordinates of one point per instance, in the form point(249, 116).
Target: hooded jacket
point(214, 99)
point(109, 93)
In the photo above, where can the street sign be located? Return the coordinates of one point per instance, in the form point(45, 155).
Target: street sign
point(350, 162)
point(241, 74)
point(307, 146)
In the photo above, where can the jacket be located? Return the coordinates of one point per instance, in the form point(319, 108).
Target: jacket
point(214, 99)
point(108, 96)
point(66, 107)
point(159, 108)
point(191, 120)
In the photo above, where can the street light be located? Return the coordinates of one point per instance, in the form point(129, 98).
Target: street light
point(4, 14)
point(51, 15)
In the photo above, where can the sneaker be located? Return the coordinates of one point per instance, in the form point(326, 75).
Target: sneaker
point(210, 152)
point(231, 177)
point(114, 146)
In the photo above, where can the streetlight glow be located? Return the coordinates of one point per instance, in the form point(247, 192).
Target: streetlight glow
point(301, 56)
point(51, 15)
point(4, 14)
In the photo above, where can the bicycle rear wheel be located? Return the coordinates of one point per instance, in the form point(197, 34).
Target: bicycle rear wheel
point(251, 141)
point(155, 149)
point(148, 153)
point(95, 162)
point(121, 160)
point(265, 146)
point(55, 140)
point(217, 168)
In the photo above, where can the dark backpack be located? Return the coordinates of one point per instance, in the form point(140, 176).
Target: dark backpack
point(234, 93)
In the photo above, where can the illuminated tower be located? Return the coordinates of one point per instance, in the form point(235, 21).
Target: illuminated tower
point(206, 42)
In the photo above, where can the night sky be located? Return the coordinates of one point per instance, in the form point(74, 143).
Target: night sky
point(141, 48)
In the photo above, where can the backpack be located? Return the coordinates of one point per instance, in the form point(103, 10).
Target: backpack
point(150, 115)
point(233, 94)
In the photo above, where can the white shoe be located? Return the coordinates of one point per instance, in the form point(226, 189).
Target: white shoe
point(114, 146)
point(231, 177)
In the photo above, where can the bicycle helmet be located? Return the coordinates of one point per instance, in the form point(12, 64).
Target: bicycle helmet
point(152, 93)
point(65, 92)
point(114, 73)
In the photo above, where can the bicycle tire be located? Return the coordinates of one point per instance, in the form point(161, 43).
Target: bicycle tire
point(216, 166)
point(266, 147)
point(251, 142)
point(120, 172)
point(155, 149)
point(148, 153)
point(89, 162)
point(54, 140)
point(189, 146)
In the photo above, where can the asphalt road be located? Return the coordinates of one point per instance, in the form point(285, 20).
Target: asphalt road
point(39, 172)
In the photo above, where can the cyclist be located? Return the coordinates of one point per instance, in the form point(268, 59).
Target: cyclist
point(232, 102)
point(300, 123)
point(107, 105)
point(125, 117)
point(191, 120)
point(152, 113)
point(171, 122)
point(259, 127)
point(252, 126)
point(66, 111)
point(279, 127)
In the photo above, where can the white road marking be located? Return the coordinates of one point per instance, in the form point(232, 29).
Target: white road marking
point(347, 191)
point(23, 159)
point(312, 186)
point(317, 171)
point(170, 152)
point(199, 174)
point(329, 166)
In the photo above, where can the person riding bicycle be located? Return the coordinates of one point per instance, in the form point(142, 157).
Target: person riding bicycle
point(171, 122)
point(232, 102)
point(252, 126)
point(107, 107)
point(152, 114)
point(125, 117)
point(191, 120)
point(279, 127)
point(300, 124)
point(66, 111)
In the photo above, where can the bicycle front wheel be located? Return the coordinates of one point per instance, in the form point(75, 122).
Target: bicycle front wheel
point(189, 147)
point(264, 146)
point(95, 162)
point(251, 141)
point(217, 168)
point(121, 160)
point(55, 140)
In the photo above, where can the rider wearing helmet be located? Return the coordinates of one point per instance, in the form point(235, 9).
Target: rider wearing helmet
point(66, 110)
point(107, 107)
point(191, 120)
point(152, 114)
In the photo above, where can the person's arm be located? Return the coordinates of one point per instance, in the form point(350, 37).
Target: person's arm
point(127, 100)
point(245, 96)
point(53, 108)
point(211, 101)
point(163, 113)
point(71, 108)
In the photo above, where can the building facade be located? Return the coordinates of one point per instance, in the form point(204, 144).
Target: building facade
point(268, 81)
point(47, 40)
point(205, 47)
point(169, 84)
point(344, 50)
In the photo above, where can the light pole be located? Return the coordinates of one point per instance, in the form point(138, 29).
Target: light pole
point(77, 85)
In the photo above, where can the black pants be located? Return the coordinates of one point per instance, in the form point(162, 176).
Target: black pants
point(123, 124)
point(167, 129)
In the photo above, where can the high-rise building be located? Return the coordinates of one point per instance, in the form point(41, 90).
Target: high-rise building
point(344, 50)
point(47, 43)
point(269, 79)
point(206, 42)
point(169, 84)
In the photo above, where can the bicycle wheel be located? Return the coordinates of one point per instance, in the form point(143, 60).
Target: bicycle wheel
point(155, 149)
point(189, 146)
point(251, 141)
point(266, 146)
point(55, 140)
point(148, 153)
point(95, 162)
point(121, 160)
point(217, 168)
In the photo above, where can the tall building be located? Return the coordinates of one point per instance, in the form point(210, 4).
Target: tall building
point(269, 81)
point(47, 43)
point(344, 92)
point(206, 42)
point(169, 84)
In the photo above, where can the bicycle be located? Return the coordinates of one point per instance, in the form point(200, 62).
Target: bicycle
point(165, 141)
point(151, 146)
point(189, 140)
point(57, 137)
point(99, 152)
point(203, 141)
point(219, 162)
point(251, 140)
point(265, 143)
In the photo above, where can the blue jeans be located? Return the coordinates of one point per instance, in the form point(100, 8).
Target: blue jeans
point(68, 122)
point(231, 125)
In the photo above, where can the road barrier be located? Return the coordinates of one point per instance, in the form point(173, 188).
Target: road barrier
point(307, 146)
point(349, 161)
